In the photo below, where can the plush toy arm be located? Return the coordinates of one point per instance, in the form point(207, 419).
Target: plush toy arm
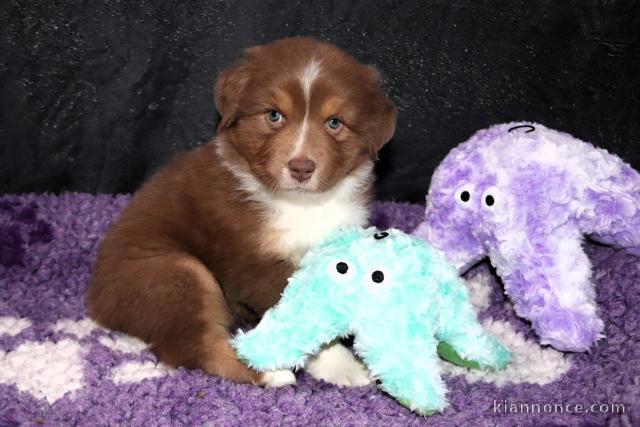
point(295, 328)
point(554, 291)
point(406, 364)
point(617, 215)
point(465, 342)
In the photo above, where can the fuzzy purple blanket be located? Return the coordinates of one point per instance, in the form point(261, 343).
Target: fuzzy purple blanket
point(58, 367)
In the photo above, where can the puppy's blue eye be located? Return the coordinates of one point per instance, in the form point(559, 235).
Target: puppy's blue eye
point(334, 123)
point(274, 116)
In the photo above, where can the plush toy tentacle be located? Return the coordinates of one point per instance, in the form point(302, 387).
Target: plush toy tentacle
point(459, 328)
point(554, 291)
point(567, 329)
point(627, 239)
point(295, 328)
point(616, 216)
point(634, 251)
point(414, 381)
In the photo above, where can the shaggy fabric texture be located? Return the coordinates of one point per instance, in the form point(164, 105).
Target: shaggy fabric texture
point(57, 367)
point(525, 195)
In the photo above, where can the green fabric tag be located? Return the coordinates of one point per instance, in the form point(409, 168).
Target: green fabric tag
point(446, 351)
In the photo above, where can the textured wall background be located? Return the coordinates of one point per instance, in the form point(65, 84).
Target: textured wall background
point(95, 95)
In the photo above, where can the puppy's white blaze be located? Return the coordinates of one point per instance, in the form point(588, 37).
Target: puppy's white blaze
point(308, 75)
point(301, 137)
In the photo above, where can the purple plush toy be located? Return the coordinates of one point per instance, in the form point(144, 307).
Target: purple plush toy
point(524, 195)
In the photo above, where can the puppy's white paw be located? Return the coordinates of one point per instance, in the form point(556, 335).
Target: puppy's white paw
point(279, 378)
point(337, 365)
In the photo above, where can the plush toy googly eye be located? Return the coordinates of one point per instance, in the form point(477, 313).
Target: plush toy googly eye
point(377, 276)
point(341, 271)
point(490, 198)
point(378, 280)
point(464, 194)
point(342, 267)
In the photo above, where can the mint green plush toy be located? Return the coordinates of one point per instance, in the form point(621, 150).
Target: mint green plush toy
point(400, 299)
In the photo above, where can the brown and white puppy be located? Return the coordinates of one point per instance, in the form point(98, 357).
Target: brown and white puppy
point(208, 242)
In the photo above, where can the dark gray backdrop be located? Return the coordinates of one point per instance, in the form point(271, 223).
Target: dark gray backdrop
point(95, 95)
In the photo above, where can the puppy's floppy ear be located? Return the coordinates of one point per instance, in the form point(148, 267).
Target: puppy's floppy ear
point(230, 85)
point(385, 125)
point(384, 117)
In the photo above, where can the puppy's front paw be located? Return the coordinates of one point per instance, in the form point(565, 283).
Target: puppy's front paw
point(279, 378)
point(337, 365)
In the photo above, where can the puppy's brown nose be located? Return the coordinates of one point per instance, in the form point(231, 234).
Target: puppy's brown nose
point(301, 169)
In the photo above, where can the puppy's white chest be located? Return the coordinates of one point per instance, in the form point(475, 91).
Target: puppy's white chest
point(296, 226)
